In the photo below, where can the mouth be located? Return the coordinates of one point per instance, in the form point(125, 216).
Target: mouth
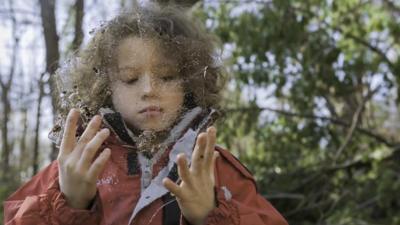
point(151, 111)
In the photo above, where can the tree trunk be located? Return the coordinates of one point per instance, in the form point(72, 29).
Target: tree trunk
point(47, 14)
point(35, 162)
point(23, 146)
point(5, 100)
point(79, 12)
point(5, 154)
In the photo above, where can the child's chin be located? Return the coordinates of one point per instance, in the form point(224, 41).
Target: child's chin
point(153, 127)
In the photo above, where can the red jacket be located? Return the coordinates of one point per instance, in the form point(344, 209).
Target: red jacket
point(40, 202)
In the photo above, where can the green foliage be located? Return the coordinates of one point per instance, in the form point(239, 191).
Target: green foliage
point(323, 61)
point(324, 65)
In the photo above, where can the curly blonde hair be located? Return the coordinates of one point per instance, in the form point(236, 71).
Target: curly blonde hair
point(84, 80)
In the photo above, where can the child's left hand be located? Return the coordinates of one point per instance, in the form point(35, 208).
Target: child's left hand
point(195, 194)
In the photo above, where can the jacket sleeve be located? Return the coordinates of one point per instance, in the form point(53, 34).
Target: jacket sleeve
point(238, 202)
point(40, 202)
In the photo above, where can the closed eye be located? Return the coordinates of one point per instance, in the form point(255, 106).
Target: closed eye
point(131, 81)
point(168, 78)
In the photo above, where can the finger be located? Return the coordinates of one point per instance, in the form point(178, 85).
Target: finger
point(173, 188)
point(68, 140)
point(92, 147)
point(183, 169)
point(90, 132)
point(198, 153)
point(213, 164)
point(99, 164)
point(209, 150)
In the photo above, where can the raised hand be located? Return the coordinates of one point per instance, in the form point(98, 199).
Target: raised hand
point(78, 172)
point(195, 194)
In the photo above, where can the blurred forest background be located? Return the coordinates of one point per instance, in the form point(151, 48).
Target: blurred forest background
point(312, 107)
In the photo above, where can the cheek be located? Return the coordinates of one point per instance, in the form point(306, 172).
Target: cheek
point(124, 99)
point(175, 97)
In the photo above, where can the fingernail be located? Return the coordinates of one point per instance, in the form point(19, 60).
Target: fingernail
point(212, 129)
point(107, 151)
point(73, 110)
point(105, 130)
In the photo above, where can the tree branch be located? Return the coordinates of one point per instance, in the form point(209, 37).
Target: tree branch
point(391, 6)
point(336, 121)
point(354, 122)
point(284, 196)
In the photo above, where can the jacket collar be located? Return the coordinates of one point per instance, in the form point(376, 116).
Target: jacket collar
point(196, 118)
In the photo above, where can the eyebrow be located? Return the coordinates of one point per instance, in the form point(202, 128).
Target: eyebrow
point(127, 68)
point(160, 65)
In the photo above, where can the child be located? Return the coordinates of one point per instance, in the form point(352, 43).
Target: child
point(137, 146)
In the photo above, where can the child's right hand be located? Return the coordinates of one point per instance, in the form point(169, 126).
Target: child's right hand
point(78, 172)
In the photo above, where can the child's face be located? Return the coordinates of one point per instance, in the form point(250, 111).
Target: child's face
point(147, 89)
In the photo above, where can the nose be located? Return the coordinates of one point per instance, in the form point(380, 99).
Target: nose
point(149, 88)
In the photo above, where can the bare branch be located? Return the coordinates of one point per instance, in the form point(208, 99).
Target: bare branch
point(284, 196)
point(336, 121)
point(355, 121)
point(19, 11)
